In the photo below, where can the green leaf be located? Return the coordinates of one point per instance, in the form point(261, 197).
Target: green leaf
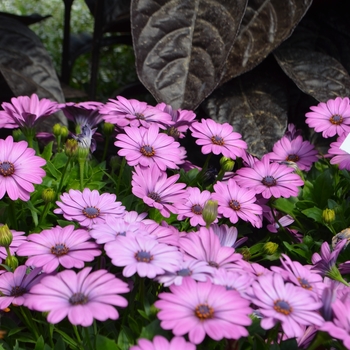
point(285, 205)
point(314, 213)
point(105, 343)
point(60, 160)
point(60, 345)
point(52, 170)
point(47, 152)
point(39, 343)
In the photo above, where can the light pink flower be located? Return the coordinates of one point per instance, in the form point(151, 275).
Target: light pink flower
point(19, 169)
point(227, 235)
point(81, 296)
point(161, 343)
point(340, 157)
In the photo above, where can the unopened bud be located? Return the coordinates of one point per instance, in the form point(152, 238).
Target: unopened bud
point(11, 262)
point(328, 215)
point(56, 129)
point(245, 253)
point(108, 129)
point(5, 236)
point(270, 248)
point(308, 240)
point(48, 195)
point(64, 132)
point(17, 133)
point(71, 148)
point(210, 212)
point(227, 164)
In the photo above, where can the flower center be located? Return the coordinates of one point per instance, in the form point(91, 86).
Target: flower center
point(140, 116)
point(204, 311)
point(6, 169)
point(147, 151)
point(155, 196)
point(91, 212)
point(282, 307)
point(184, 272)
point(197, 209)
point(213, 264)
point(17, 291)
point(217, 140)
point(293, 158)
point(59, 249)
point(143, 256)
point(234, 205)
point(269, 181)
point(336, 119)
point(78, 299)
point(304, 283)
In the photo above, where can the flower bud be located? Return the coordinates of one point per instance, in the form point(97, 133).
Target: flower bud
point(308, 240)
point(270, 248)
point(56, 129)
point(328, 216)
point(107, 129)
point(17, 133)
point(48, 195)
point(114, 162)
point(210, 212)
point(12, 262)
point(71, 148)
point(64, 132)
point(5, 236)
point(227, 164)
point(245, 253)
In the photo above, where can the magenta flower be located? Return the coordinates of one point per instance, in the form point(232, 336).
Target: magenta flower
point(227, 235)
point(81, 296)
point(160, 343)
point(330, 118)
point(340, 157)
point(218, 138)
point(300, 152)
point(19, 169)
point(88, 207)
point(143, 255)
point(202, 308)
point(123, 112)
point(14, 286)
point(59, 246)
point(18, 237)
point(157, 190)
point(237, 203)
point(28, 111)
point(292, 132)
point(193, 207)
point(284, 302)
point(277, 180)
point(145, 147)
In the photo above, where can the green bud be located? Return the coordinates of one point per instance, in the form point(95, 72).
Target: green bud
point(108, 129)
point(5, 236)
point(270, 248)
point(56, 129)
point(83, 152)
point(48, 195)
point(328, 216)
point(17, 133)
point(71, 147)
point(227, 164)
point(245, 253)
point(114, 162)
point(64, 132)
point(308, 240)
point(210, 212)
point(12, 262)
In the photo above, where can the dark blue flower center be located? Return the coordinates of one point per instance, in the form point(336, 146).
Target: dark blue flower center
point(147, 151)
point(213, 264)
point(293, 158)
point(184, 272)
point(139, 116)
point(204, 311)
point(91, 212)
point(143, 256)
point(282, 307)
point(304, 283)
point(336, 119)
point(6, 168)
point(78, 299)
point(59, 249)
point(234, 205)
point(217, 140)
point(17, 291)
point(197, 209)
point(155, 196)
point(269, 181)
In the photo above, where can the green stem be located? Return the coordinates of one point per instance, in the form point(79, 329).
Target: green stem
point(12, 214)
point(29, 322)
point(44, 213)
point(81, 172)
point(62, 177)
point(142, 291)
point(105, 149)
point(87, 336)
point(120, 175)
point(77, 335)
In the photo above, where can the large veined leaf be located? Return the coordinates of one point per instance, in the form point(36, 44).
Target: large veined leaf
point(255, 104)
point(181, 46)
point(26, 65)
point(265, 25)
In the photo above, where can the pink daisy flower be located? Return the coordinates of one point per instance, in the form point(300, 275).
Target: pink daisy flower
point(132, 112)
point(14, 286)
point(59, 246)
point(330, 118)
point(277, 180)
point(160, 343)
point(19, 169)
point(218, 138)
point(157, 190)
point(143, 255)
point(284, 302)
point(81, 296)
point(18, 237)
point(237, 203)
point(145, 147)
point(203, 308)
point(227, 235)
point(300, 152)
point(88, 207)
point(193, 207)
point(339, 156)
point(292, 132)
point(28, 111)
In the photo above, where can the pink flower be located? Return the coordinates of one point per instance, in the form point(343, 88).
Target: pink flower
point(145, 147)
point(330, 118)
point(157, 190)
point(227, 235)
point(27, 111)
point(88, 207)
point(277, 180)
point(59, 246)
point(218, 138)
point(81, 296)
point(160, 343)
point(19, 169)
point(200, 308)
point(302, 153)
point(338, 155)
point(237, 203)
point(284, 302)
point(143, 255)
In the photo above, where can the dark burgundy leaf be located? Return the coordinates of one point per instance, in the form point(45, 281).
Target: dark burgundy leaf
point(181, 46)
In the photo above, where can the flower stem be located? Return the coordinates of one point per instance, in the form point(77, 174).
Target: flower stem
point(44, 213)
point(12, 214)
point(120, 175)
point(62, 177)
point(81, 172)
point(28, 321)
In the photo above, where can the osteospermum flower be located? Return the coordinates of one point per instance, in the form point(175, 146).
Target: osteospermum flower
point(270, 179)
point(145, 147)
point(157, 190)
point(88, 207)
point(284, 302)
point(202, 308)
point(19, 169)
point(81, 296)
point(340, 157)
point(161, 343)
point(330, 118)
point(237, 203)
point(59, 246)
point(218, 138)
